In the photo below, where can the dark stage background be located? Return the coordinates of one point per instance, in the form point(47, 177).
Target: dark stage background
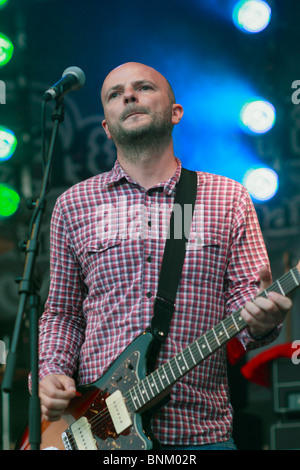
point(213, 68)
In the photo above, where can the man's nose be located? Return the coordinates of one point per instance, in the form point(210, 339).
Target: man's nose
point(130, 96)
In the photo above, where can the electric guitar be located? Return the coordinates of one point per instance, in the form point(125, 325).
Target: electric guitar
point(111, 413)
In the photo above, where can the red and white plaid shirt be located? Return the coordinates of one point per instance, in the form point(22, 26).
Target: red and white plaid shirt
point(104, 277)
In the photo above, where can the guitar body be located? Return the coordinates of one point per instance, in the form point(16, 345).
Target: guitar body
point(125, 372)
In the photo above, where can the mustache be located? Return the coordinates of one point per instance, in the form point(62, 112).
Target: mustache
point(132, 110)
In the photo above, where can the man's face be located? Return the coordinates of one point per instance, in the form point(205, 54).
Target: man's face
point(137, 105)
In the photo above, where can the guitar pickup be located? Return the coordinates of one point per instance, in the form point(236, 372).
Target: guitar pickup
point(118, 411)
point(80, 434)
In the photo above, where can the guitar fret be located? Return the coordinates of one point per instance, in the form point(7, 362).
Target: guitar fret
point(229, 326)
point(155, 384)
point(150, 386)
point(294, 277)
point(145, 390)
point(226, 332)
point(210, 337)
point(199, 349)
point(185, 361)
point(192, 355)
point(166, 375)
point(235, 324)
point(219, 334)
point(157, 373)
point(140, 392)
point(194, 351)
point(172, 372)
point(172, 364)
point(134, 399)
point(264, 294)
point(186, 365)
point(207, 343)
point(188, 360)
point(177, 365)
point(137, 397)
point(203, 345)
point(280, 288)
point(216, 337)
point(187, 357)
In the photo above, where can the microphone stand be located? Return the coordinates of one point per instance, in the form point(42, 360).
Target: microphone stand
point(28, 289)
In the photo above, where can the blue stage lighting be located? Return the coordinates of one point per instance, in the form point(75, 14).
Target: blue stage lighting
point(257, 116)
point(251, 16)
point(262, 183)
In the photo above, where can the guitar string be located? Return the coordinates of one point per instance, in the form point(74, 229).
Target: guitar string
point(104, 416)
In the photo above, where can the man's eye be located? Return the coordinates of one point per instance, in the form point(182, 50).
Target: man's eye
point(114, 95)
point(145, 87)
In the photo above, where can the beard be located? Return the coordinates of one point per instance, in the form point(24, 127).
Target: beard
point(152, 136)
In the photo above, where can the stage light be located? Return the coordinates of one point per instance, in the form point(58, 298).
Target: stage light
point(6, 49)
point(3, 3)
point(257, 116)
point(251, 16)
point(8, 143)
point(9, 201)
point(262, 183)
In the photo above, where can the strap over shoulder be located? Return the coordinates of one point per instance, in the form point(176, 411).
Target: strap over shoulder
point(174, 254)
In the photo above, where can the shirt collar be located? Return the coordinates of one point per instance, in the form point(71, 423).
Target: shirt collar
point(119, 175)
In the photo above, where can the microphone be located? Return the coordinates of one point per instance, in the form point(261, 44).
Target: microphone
point(73, 78)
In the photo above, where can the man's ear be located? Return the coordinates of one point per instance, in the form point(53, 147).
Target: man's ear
point(104, 125)
point(177, 113)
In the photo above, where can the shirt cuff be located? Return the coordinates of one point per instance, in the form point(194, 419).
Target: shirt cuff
point(43, 372)
point(251, 341)
point(262, 338)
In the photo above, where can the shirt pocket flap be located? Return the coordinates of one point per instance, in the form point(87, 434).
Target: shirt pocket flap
point(204, 240)
point(99, 246)
point(211, 239)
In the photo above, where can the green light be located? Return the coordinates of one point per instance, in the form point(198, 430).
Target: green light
point(8, 143)
point(3, 3)
point(6, 49)
point(9, 201)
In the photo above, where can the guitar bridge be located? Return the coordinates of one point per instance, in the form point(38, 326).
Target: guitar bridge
point(66, 440)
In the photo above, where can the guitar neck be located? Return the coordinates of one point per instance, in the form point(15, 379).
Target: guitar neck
point(162, 379)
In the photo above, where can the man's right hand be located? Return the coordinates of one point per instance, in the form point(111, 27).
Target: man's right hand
point(55, 393)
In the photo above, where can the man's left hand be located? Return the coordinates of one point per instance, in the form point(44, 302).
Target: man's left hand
point(264, 314)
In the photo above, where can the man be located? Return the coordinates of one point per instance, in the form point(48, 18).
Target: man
point(102, 287)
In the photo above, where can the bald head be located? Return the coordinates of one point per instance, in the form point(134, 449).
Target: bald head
point(129, 69)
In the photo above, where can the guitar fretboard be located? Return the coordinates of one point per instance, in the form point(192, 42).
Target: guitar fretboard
point(163, 378)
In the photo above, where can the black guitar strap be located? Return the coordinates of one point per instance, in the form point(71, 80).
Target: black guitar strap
point(170, 273)
point(174, 254)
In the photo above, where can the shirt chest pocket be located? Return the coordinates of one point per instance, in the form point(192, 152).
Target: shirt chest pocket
point(100, 259)
point(107, 264)
point(205, 259)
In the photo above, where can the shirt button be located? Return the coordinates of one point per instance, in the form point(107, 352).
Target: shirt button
point(149, 223)
point(148, 295)
point(149, 259)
